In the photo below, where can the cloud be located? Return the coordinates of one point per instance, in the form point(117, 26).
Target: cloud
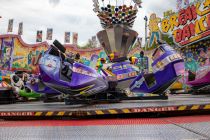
point(66, 15)
point(54, 2)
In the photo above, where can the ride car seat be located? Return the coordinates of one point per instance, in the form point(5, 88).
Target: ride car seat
point(191, 76)
point(150, 79)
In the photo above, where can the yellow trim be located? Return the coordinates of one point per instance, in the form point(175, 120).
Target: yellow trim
point(182, 107)
point(84, 88)
point(88, 113)
point(207, 106)
point(5, 77)
point(126, 110)
point(99, 112)
point(194, 107)
point(112, 111)
point(87, 88)
point(38, 113)
point(61, 113)
point(109, 72)
point(49, 113)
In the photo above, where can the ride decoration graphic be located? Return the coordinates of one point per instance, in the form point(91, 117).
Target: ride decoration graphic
point(126, 75)
point(116, 12)
point(189, 24)
point(83, 71)
point(138, 83)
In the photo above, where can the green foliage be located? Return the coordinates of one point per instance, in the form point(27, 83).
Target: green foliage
point(154, 45)
point(27, 67)
point(16, 65)
point(164, 37)
point(87, 45)
point(168, 39)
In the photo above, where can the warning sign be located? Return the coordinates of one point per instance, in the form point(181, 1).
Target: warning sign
point(16, 114)
point(154, 109)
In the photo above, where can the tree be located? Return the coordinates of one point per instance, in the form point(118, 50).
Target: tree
point(89, 44)
point(168, 39)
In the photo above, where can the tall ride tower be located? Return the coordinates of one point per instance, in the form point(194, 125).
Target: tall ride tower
point(117, 18)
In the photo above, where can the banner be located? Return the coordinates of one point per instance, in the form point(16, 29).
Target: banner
point(49, 33)
point(39, 36)
point(20, 28)
point(75, 38)
point(67, 37)
point(10, 25)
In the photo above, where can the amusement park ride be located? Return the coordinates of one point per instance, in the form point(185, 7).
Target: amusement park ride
point(200, 80)
point(118, 78)
point(83, 85)
point(115, 81)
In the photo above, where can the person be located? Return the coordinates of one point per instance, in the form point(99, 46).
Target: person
point(99, 64)
point(1, 76)
point(17, 83)
point(30, 58)
point(208, 56)
point(25, 78)
point(77, 58)
point(191, 66)
point(141, 62)
point(133, 60)
point(203, 57)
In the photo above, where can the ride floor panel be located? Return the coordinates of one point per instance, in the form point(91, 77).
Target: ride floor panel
point(174, 103)
point(173, 128)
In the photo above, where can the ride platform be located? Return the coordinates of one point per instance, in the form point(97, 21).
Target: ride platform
point(175, 103)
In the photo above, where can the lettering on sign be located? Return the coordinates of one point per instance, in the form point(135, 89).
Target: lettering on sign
point(16, 113)
point(154, 109)
point(189, 24)
point(168, 13)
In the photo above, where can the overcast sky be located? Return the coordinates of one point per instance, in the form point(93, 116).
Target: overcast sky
point(67, 15)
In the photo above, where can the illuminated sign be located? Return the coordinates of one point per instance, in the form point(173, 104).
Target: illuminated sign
point(189, 24)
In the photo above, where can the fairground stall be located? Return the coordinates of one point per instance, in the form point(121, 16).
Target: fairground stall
point(190, 30)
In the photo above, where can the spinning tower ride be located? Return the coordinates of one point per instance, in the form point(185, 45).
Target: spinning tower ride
point(117, 18)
